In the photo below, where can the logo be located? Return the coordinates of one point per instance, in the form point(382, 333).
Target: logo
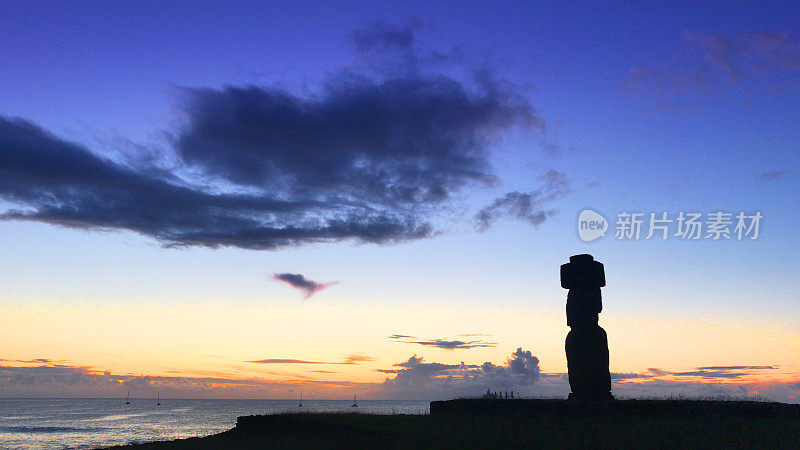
point(591, 225)
point(633, 226)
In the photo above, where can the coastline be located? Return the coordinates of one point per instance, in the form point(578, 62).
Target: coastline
point(520, 423)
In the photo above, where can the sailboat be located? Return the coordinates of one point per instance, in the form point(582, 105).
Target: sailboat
point(128, 398)
point(158, 399)
point(355, 403)
point(301, 400)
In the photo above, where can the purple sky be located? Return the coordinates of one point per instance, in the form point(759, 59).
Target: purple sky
point(418, 153)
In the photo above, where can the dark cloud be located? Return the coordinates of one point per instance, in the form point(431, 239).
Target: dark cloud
point(59, 182)
point(445, 344)
point(708, 372)
point(297, 281)
point(629, 376)
point(362, 145)
point(369, 156)
point(715, 373)
point(738, 368)
point(63, 183)
point(453, 345)
point(531, 207)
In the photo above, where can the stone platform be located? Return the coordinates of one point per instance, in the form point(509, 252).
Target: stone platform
point(718, 408)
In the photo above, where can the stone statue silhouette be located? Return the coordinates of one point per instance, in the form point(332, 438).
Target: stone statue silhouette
point(587, 343)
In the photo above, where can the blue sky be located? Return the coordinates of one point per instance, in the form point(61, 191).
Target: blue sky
point(640, 109)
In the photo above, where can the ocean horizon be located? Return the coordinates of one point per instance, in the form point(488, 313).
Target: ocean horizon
point(81, 423)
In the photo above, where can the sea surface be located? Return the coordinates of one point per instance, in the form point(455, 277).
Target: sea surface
point(92, 423)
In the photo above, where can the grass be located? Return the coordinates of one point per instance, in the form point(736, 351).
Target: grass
point(640, 424)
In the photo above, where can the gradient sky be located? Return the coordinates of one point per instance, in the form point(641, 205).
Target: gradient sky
point(613, 107)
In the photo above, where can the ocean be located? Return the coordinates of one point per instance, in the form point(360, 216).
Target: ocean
point(92, 423)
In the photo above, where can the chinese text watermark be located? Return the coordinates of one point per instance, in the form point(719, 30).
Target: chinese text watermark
point(718, 225)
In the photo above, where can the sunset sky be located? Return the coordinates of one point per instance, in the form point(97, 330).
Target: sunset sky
point(208, 200)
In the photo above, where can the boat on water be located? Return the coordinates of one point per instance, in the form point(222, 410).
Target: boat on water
point(355, 403)
point(301, 400)
point(128, 398)
point(158, 399)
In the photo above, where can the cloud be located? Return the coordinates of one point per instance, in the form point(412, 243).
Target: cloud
point(350, 359)
point(33, 361)
point(721, 371)
point(297, 281)
point(84, 382)
point(362, 145)
point(772, 175)
point(642, 79)
point(738, 54)
point(706, 62)
point(710, 374)
point(738, 368)
point(523, 363)
point(388, 48)
point(416, 378)
point(288, 361)
point(355, 359)
point(63, 183)
point(368, 156)
point(382, 35)
point(443, 343)
point(629, 376)
point(453, 345)
point(529, 207)
point(411, 379)
point(706, 372)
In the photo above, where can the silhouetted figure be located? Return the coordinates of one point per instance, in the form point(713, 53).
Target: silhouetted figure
point(587, 343)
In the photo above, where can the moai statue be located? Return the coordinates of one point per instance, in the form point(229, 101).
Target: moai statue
point(587, 344)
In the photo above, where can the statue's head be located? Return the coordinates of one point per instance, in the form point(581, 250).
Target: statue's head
point(582, 272)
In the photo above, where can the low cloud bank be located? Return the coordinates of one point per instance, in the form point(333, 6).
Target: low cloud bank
point(414, 378)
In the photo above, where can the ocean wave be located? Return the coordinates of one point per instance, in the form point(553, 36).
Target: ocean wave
point(116, 417)
point(23, 429)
